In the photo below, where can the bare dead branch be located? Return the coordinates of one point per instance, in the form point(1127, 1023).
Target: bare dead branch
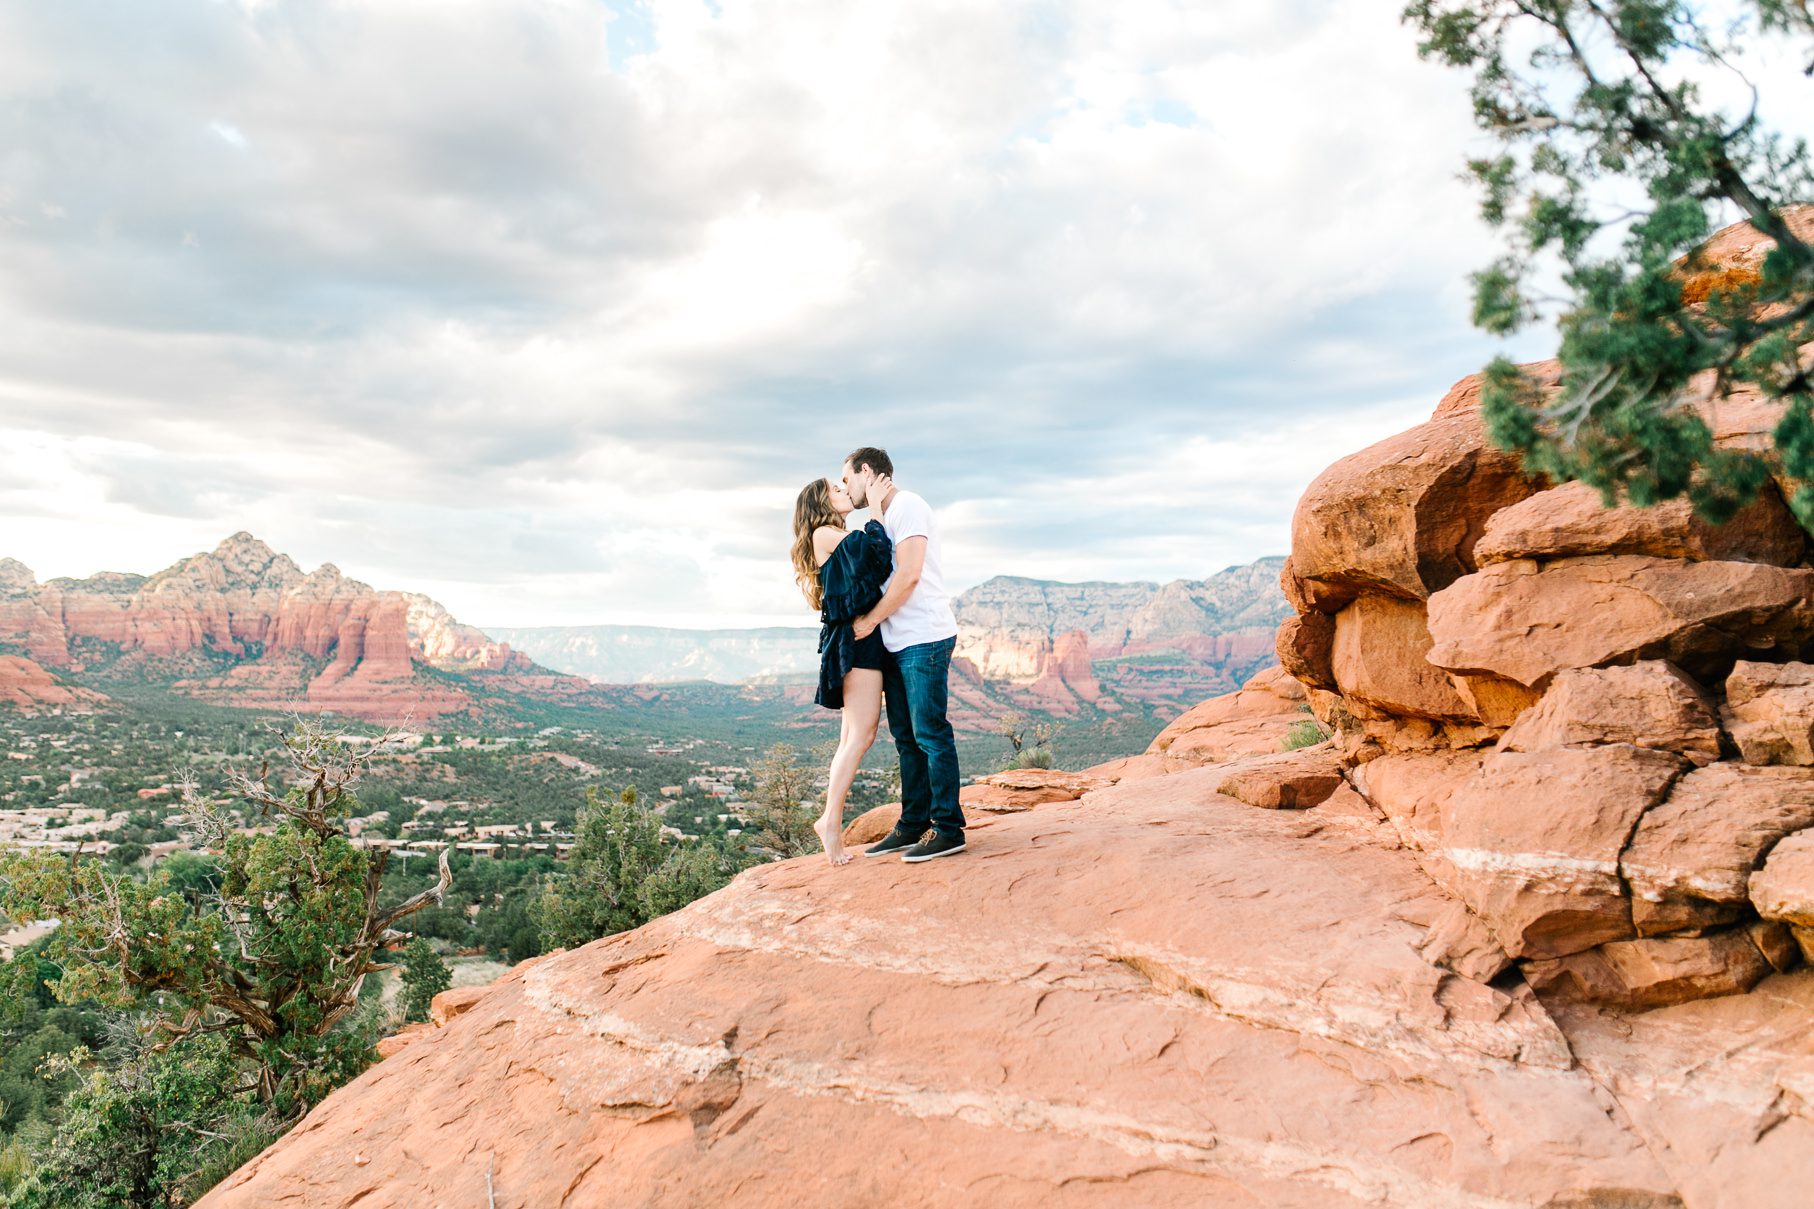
point(432, 895)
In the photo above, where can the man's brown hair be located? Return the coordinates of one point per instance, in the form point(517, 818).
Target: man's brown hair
point(875, 459)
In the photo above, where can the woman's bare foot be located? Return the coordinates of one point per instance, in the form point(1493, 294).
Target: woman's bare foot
point(832, 836)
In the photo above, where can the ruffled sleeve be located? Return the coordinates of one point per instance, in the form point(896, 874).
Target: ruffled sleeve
point(877, 558)
point(855, 573)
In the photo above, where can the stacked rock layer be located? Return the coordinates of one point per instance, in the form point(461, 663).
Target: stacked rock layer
point(1592, 724)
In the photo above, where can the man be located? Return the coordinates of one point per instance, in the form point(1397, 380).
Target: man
point(919, 631)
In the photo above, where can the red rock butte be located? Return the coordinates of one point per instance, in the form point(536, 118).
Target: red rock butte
point(315, 640)
point(1070, 650)
point(1530, 928)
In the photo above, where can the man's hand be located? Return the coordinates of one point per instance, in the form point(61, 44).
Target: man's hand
point(863, 627)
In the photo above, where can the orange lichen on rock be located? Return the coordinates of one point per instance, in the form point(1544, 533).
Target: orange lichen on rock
point(1735, 281)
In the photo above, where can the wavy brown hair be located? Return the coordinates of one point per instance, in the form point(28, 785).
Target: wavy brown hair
point(812, 509)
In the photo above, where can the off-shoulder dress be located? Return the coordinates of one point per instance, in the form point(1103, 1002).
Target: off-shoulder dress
point(851, 580)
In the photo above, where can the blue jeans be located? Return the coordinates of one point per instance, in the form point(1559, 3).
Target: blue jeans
point(913, 684)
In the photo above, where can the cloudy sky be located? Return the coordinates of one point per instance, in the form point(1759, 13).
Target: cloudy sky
point(549, 307)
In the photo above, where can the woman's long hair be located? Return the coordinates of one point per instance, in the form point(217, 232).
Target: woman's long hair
point(812, 509)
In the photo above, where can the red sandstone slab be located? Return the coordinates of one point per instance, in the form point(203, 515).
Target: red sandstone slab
point(1032, 1012)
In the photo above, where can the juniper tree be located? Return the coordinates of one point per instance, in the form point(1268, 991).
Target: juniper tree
point(1586, 101)
point(425, 975)
point(268, 951)
point(780, 817)
point(622, 872)
point(145, 1126)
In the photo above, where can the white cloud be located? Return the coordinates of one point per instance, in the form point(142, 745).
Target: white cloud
point(549, 308)
point(229, 134)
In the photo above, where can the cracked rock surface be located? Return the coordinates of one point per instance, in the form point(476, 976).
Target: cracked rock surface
point(1155, 994)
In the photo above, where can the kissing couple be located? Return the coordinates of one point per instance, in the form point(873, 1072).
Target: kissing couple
point(887, 632)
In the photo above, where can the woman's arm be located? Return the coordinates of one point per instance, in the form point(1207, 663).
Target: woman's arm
point(825, 540)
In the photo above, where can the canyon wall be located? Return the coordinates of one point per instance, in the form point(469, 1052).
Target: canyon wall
point(1164, 646)
point(244, 625)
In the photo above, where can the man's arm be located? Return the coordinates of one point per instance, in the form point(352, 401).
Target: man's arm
point(909, 561)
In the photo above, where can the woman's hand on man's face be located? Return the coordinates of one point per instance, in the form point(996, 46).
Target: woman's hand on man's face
point(879, 487)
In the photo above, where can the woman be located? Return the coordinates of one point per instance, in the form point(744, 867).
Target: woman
point(842, 573)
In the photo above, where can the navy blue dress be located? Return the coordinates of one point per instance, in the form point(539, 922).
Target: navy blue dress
point(851, 580)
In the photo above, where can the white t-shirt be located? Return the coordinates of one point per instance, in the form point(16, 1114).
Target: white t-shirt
point(927, 615)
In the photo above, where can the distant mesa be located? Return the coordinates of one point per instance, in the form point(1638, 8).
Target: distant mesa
point(1068, 648)
point(634, 654)
point(1064, 649)
point(243, 625)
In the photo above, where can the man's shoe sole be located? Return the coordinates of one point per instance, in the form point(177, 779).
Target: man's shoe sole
point(886, 851)
point(933, 856)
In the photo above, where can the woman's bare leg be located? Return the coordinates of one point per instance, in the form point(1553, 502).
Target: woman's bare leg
point(862, 711)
